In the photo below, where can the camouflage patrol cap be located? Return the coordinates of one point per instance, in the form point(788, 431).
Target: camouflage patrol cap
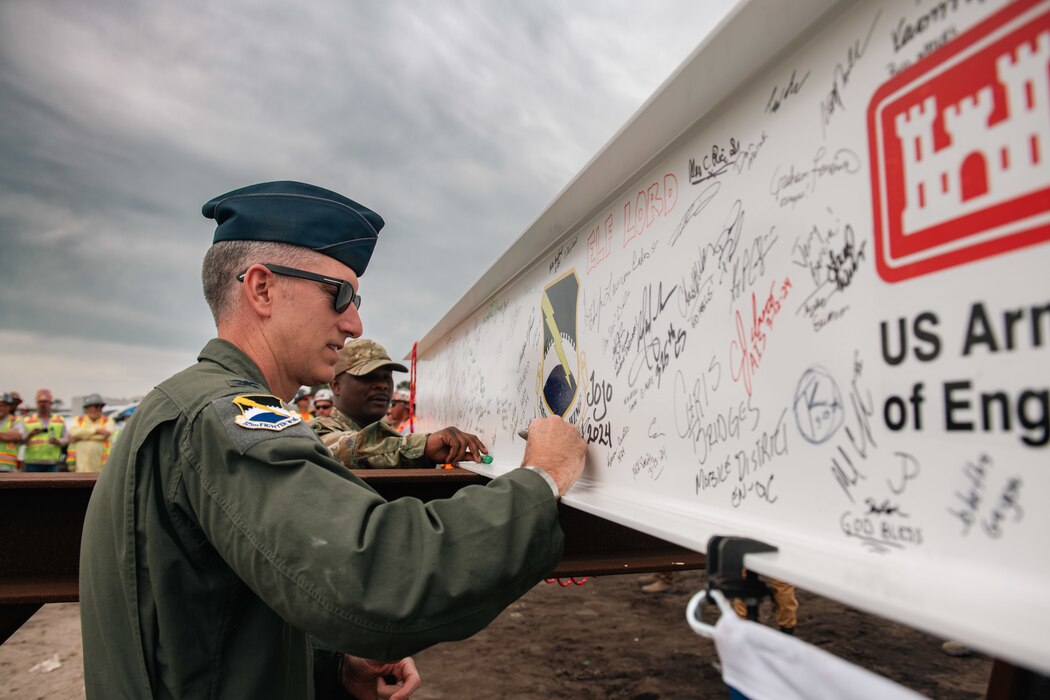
point(361, 356)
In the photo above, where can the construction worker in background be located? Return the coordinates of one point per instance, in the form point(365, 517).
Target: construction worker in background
point(90, 437)
point(11, 434)
point(659, 582)
point(399, 415)
point(785, 605)
point(20, 412)
point(356, 434)
point(324, 403)
point(45, 433)
point(302, 403)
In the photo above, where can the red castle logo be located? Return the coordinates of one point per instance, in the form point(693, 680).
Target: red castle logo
point(960, 148)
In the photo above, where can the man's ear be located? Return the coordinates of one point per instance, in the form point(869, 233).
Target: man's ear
point(258, 290)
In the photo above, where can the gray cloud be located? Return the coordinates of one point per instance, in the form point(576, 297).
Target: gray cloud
point(458, 121)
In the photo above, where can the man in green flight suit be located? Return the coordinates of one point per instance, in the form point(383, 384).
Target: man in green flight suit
point(226, 553)
point(356, 433)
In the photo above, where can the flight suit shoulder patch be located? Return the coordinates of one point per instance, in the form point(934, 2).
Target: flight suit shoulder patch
point(251, 418)
point(263, 412)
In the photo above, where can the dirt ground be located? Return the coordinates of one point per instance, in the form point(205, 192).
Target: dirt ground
point(604, 639)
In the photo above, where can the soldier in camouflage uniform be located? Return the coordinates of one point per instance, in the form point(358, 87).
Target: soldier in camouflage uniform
point(356, 433)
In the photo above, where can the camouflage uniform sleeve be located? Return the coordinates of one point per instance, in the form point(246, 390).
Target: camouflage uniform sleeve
point(377, 446)
point(323, 427)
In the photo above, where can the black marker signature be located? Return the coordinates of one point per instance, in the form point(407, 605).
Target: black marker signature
point(840, 76)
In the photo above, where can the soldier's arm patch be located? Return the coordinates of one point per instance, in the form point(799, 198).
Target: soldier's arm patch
point(263, 412)
point(249, 418)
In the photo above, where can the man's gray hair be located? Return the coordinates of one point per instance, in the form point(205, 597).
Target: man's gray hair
point(227, 259)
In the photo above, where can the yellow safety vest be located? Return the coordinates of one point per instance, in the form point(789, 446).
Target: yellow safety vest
point(9, 450)
point(104, 422)
point(38, 448)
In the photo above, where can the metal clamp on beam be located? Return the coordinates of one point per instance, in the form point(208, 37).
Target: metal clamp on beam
point(727, 579)
point(725, 570)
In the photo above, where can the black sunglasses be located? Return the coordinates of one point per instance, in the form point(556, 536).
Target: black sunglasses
point(344, 296)
point(322, 407)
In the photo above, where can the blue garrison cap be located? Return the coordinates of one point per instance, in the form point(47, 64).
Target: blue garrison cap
point(299, 214)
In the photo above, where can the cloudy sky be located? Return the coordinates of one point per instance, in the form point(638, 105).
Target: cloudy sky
point(458, 121)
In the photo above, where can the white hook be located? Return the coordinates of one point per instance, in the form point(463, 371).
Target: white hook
point(693, 608)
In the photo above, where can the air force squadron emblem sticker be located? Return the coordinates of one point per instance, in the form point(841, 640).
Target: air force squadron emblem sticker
point(561, 361)
point(263, 412)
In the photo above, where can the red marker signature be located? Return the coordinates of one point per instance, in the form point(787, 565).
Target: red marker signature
point(750, 347)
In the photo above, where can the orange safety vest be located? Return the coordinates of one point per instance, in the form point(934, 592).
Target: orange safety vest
point(71, 452)
point(9, 450)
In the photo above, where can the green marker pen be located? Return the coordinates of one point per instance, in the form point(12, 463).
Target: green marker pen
point(486, 459)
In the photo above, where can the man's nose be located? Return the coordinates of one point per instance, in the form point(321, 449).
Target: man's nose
point(350, 322)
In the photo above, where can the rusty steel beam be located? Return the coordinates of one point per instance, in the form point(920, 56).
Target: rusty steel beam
point(40, 550)
point(44, 517)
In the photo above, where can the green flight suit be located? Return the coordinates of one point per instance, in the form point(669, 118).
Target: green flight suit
point(214, 555)
point(377, 446)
